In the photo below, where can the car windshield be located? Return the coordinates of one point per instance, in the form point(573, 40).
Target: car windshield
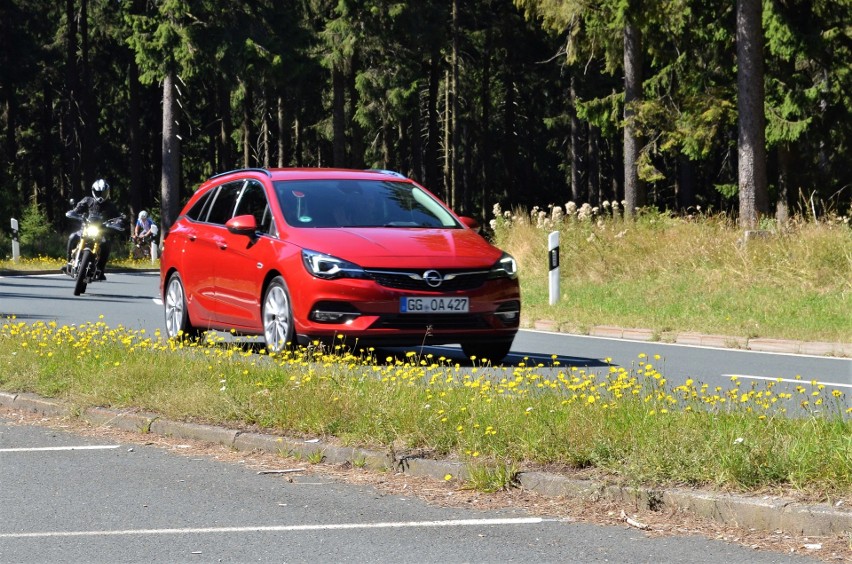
point(360, 203)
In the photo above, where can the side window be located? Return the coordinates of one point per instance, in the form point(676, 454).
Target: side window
point(253, 202)
point(222, 208)
point(198, 211)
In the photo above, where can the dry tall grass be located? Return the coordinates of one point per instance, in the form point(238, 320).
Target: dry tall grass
point(694, 273)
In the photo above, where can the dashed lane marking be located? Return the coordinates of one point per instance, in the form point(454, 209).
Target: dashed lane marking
point(41, 449)
point(281, 528)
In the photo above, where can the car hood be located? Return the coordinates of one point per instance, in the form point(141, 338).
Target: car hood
point(395, 247)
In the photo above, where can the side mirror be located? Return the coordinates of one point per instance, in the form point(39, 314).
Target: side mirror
point(242, 225)
point(470, 222)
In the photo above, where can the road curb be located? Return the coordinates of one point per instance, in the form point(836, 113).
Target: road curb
point(766, 513)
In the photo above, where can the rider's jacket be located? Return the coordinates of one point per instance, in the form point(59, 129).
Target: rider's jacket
point(106, 209)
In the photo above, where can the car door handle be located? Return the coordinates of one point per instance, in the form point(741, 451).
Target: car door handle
point(192, 237)
point(223, 246)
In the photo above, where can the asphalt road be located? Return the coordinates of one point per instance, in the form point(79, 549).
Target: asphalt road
point(67, 498)
point(131, 300)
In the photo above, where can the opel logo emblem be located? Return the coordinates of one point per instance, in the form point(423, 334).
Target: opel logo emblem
point(433, 278)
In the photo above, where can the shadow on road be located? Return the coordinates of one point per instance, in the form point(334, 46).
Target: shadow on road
point(451, 355)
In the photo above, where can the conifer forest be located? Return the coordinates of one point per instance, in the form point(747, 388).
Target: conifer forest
point(740, 107)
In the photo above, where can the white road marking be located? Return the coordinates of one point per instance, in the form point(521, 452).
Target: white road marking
point(39, 449)
point(281, 528)
point(790, 380)
point(682, 345)
point(157, 301)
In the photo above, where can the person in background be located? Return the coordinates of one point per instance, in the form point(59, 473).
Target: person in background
point(145, 226)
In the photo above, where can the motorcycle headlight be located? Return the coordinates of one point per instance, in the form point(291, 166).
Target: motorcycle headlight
point(329, 267)
point(506, 267)
point(92, 231)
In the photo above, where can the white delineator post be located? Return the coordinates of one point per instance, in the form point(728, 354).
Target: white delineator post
point(16, 248)
point(553, 265)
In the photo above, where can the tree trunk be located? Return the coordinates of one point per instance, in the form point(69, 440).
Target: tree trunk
point(226, 129)
point(264, 132)
point(634, 192)
point(594, 167)
point(71, 137)
point(246, 127)
point(448, 189)
point(416, 140)
point(282, 131)
point(431, 165)
point(575, 146)
point(170, 179)
point(338, 118)
point(137, 184)
point(685, 187)
point(785, 166)
point(510, 140)
point(47, 171)
point(751, 143)
point(133, 127)
point(356, 134)
point(297, 141)
point(485, 120)
point(88, 115)
point(454, 107)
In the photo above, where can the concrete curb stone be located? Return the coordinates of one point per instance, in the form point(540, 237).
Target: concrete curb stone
point(764, 513)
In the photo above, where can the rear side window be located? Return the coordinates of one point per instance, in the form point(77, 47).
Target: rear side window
point(222, 207)
point(198, 211)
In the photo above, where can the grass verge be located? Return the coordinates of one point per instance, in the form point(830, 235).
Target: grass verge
point(625, 425)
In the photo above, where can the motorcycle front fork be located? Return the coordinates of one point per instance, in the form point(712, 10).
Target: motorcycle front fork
point(75, 255)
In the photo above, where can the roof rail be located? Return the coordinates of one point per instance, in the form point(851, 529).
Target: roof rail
point(386, 171)
point(263, 170)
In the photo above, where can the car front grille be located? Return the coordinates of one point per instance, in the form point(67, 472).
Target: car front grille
point(413, 280)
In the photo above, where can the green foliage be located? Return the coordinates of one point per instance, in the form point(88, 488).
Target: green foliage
point(255, 85)
point(35, 229)
point(727, 190)
point(490, 478)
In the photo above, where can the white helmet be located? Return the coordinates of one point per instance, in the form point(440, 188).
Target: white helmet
point(100, 190)
point(143, 215)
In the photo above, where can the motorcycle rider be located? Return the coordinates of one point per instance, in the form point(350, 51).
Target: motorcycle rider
point(97, 203)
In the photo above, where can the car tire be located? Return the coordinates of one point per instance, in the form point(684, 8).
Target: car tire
point(177, 316)
point(277, 316)
point(494, 351)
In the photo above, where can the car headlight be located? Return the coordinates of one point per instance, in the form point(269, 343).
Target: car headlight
point(506, 267)
point(92, 231)
point(329, 267)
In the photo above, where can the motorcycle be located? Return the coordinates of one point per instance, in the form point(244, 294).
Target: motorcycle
point(84, 258)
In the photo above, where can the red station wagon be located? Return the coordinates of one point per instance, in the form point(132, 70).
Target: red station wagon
point(298, 255)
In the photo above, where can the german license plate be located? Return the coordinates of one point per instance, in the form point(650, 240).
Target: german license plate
point(434, 305)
